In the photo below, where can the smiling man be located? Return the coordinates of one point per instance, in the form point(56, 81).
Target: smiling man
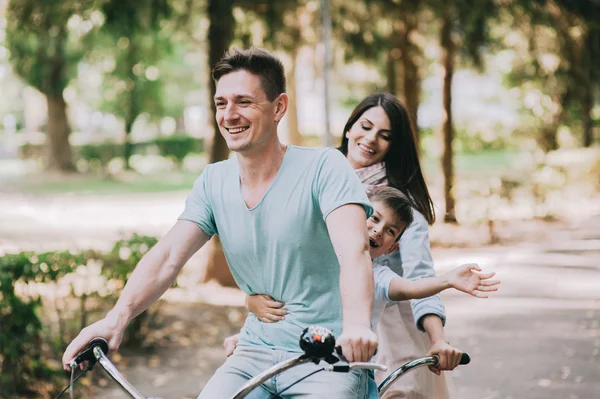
point(292, 224)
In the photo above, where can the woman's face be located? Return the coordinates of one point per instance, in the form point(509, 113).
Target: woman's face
point(369, 139)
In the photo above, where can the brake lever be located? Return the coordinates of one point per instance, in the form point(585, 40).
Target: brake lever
point(88, 353)
point(338, 361)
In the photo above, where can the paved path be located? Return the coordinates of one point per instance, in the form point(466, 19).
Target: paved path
point(539, 337)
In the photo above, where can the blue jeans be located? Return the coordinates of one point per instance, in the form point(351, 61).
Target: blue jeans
point(372, 392)
point(246, 362)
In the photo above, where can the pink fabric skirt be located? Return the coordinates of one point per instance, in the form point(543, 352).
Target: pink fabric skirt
point(399, 342)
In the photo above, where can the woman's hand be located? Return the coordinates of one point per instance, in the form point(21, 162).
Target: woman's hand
point(230, 343)
point(266, 308)
point(449, 356)
point(467, 279)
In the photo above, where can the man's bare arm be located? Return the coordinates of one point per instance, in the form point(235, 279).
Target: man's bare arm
point(348, 232)
point(158, 269)
point(153, 275)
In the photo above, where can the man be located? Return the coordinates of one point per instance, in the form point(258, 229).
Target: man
point(292, 224)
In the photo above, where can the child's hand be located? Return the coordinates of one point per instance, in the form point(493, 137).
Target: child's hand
point(266, 308)
point(466, 279)
point(230, 343)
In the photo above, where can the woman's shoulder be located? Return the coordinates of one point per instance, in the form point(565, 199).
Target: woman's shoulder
point(419, 221)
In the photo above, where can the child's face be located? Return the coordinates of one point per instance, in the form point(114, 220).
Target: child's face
point(384, 228)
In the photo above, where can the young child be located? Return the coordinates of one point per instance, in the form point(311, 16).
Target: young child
point(392, 214)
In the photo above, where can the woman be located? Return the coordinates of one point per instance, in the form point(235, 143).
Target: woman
point(380, 144)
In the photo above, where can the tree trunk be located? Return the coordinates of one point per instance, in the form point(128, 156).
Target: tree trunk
point(133, 107)
point(127, 145)
point(59, 154)
point(390, 71)
point(448, 53)
point(295, 136)
point(548, 140)
point(587, 103)
point(214, 264)
point(411, 76)
point(220, 34)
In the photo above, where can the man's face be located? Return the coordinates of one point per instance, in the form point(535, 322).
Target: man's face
point(246, 117)
point(383, 228)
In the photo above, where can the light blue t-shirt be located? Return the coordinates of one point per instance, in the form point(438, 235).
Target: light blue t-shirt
point(382, 276)
point(281, 247)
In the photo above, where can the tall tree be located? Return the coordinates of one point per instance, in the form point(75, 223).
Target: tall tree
point(220, 35)
point(288, 27)
point(584, 46)
point(447, 41)
point(560, 62)
point(45, 42)
point(389, 42)
point(463, 30)
point(133, 32)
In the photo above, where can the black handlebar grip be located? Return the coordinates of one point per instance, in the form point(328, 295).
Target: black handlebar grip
point(464, 359)
point(100, 342)
point(88, 354)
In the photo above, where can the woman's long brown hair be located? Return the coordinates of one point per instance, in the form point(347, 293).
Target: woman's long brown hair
point(402, 164)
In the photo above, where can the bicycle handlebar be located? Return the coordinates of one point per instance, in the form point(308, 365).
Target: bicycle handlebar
point(317, 343)
point(414, 364)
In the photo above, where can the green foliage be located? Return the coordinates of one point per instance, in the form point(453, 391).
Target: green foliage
point(20, 337)
point(43, 50)
point(24, 348)
point(98, 155)
point(133, 38)
point(101, 153)
point(177, 147)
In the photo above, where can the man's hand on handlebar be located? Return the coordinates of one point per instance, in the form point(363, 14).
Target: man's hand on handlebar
point(358, 343)
point(107, 328)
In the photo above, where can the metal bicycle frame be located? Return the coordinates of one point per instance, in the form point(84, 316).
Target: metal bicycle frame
point(405, 368)
point(112, 371)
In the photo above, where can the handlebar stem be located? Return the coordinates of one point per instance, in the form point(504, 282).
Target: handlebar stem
point(270, 372)
point(424, 361)
point(114, 373)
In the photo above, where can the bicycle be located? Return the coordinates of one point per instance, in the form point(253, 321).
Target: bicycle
point(318, 344)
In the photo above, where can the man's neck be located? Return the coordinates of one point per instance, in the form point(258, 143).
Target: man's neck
point(261, 166)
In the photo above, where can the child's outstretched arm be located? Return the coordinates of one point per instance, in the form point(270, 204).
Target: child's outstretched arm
point(469, 279)
point(266, 308)
point(464, 278)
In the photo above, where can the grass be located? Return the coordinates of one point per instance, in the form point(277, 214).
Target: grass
point(91, 184)
point(472, 166)
point(481, 164)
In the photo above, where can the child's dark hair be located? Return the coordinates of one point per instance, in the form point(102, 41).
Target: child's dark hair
point(396, 201)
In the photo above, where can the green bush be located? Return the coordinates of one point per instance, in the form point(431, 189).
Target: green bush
point(31, 151)
point(177, 147)
point(25, 346)
point(100, 153)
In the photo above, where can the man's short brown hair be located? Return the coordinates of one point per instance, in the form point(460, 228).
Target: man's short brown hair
point(258, 62)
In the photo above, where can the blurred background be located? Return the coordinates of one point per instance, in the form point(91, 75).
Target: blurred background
point(106, 120)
